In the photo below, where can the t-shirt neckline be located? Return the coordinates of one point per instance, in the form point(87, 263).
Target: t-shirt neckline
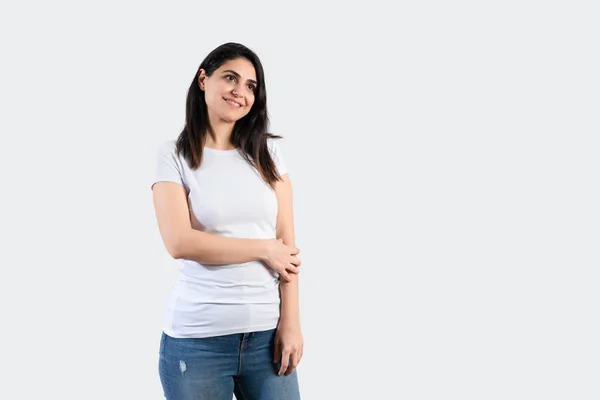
point(216, 151)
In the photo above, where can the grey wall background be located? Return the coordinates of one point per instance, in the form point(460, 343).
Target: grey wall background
point(444, 159)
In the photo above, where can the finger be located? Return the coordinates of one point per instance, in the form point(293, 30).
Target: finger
point(277, 352)
point(285, 361)
point(296, 261)
point(295, 251)
point(293, 363)
point(285, 275)
point(291, 268)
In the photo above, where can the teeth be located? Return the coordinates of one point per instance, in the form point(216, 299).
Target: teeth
point(233, 103)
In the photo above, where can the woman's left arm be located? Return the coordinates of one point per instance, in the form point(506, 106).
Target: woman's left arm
point(289, 342)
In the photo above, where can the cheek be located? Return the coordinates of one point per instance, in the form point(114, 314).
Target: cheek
point(214, 101)
point(215, 93)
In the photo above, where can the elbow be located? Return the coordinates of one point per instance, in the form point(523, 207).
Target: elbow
point(176, 249)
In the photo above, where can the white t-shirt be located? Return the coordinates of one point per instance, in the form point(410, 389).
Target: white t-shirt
point(227, 197)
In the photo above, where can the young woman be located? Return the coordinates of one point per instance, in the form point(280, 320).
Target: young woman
point(223, 202)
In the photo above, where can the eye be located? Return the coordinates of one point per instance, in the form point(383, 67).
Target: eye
point(252, 88)
point(233, 79)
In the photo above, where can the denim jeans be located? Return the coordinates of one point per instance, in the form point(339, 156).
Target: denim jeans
point(217, 367)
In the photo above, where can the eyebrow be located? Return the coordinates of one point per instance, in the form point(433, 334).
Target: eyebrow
point(239, 76)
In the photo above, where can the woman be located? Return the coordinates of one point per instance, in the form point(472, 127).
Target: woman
point(223, 202)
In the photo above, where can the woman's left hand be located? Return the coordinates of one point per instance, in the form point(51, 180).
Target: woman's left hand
point(289, 346)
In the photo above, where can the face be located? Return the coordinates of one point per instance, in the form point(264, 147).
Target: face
point(229, 91)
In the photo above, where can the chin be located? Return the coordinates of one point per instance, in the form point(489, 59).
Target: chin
point(230, 119)
point(233, 117)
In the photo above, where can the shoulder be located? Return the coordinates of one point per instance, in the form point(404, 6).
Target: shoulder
point(277, 155)
point(166, 154)
point(168, 150)
point(274, 147)
point(272, 142)
point(167, 146)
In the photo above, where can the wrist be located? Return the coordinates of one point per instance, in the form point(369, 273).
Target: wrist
point(289, 317)
point(289, 321)
point(262, 249)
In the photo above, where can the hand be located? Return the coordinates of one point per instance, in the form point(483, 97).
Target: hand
point(282, 258)
point(289, 347)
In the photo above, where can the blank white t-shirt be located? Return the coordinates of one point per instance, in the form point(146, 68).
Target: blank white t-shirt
point(227, 197)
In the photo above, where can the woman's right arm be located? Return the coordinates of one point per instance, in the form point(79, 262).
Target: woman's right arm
point(183, 242)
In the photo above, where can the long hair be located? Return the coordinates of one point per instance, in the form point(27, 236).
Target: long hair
point(249, 133)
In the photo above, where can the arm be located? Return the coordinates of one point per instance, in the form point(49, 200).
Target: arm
point(182, 241)
point(290, 310)
point(289, 342)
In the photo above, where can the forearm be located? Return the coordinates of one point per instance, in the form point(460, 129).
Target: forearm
point(207, 248)
point(290, 307)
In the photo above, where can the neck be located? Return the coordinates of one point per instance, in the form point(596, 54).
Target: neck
point(219, 135)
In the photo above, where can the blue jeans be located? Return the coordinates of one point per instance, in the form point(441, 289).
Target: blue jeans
point(217, 367)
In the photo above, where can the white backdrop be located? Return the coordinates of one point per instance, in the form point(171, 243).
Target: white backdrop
point(444, 159)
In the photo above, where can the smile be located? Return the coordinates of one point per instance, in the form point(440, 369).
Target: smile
point(232, 103)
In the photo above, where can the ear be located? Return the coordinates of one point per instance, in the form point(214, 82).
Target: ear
point(202, 79)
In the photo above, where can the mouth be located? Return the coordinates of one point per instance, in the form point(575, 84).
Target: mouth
point(232, 103)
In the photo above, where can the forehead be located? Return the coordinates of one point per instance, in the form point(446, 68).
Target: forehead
point(241, 66)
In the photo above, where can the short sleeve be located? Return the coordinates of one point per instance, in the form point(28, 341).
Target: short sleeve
point(168, 167)
point(278, 157)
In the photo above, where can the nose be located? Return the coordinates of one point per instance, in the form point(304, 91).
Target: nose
point(235, 93)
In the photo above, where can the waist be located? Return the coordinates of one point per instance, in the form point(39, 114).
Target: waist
point(248, 283)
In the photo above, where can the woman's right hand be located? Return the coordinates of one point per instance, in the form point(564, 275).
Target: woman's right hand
point(282, 258)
